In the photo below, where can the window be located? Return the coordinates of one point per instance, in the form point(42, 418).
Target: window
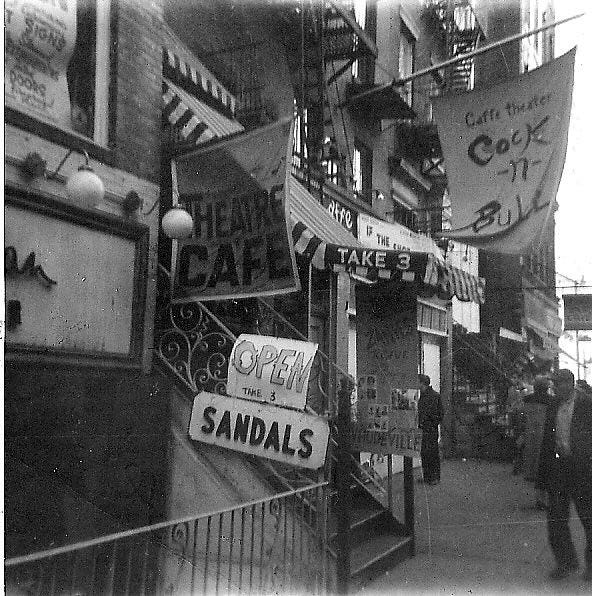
point(57, 63)
point(300, 153)
point(360, 16)
point(362, 172)
point(406, 61)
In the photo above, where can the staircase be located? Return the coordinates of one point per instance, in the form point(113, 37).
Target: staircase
point(376, 538)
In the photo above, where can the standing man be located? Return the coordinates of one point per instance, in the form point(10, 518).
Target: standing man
point(565, 470)
point(430, 414)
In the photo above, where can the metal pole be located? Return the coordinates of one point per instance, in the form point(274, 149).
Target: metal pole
point(389, 461)
point(343, 487)
point(578, 351)
point(492, 46)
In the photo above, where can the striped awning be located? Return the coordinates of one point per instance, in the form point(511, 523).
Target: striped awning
point(452, 281)
point(199, 75)
point(328, 245)
point(196, 121)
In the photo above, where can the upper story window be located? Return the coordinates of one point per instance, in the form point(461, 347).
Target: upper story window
point(56, 65)
point(406, 61)
point(360, 15)
point(362, 172)
point(300, 151)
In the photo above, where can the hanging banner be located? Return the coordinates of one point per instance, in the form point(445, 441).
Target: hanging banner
point(236, 193)
point(284, 435)
point(504, 149)
point(39, 41)
point(577, 312)
point(271, 369)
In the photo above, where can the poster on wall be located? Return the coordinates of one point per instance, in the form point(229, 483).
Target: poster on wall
point(236, 191)
point(271, 369)
point(39, 41)
point(387, 365)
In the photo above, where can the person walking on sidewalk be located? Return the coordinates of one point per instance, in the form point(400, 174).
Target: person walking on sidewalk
point(565, 469)
point(430, 414)
point(535, 408)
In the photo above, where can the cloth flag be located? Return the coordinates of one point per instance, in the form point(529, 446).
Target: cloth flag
point(504, 149)
point(236, 191)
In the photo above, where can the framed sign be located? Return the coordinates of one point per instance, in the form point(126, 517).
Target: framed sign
point(75, 281)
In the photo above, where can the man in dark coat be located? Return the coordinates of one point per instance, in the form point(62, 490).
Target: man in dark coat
point(430, 414)
point(565, 470)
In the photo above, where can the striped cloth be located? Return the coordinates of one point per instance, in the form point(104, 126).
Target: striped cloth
point(199, 75)
point(196, 121)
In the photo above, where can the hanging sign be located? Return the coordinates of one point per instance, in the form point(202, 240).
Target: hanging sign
point(577, 311)
point(504, 149)
point(236, 192)
point(271, 369)
point(39, 42)
point(264, 430)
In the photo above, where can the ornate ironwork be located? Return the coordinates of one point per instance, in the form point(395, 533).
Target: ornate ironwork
point(192, 342)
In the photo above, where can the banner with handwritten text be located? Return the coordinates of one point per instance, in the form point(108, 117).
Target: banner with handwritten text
point(39, 42)
point(236, 191)
point(504, 149)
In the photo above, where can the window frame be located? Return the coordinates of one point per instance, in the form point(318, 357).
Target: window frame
point(100, 145)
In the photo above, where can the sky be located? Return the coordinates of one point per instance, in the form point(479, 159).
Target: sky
point(573, 219)
point(573, 241)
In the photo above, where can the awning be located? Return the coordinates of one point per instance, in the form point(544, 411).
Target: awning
point(386, 103)
point(197, 121)
point(452, 281)
point(197, 74)
point(328, 245)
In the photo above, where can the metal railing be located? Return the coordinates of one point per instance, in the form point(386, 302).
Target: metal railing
point(273, 545)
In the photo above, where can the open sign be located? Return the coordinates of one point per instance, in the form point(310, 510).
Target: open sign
point(271, 369)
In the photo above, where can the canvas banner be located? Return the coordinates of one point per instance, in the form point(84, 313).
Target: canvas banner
point(236, 191)
point(504, 149)
point(39, 41)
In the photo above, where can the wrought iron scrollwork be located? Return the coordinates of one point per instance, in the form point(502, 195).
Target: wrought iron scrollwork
point(193, 343)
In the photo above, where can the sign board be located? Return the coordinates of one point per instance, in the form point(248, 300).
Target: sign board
point(577, 311)
point(236, 192)
point(387, 339)
point(271, 369)
point(347, 217)
point(393, 236)
point(406, 442)
point(287, 436)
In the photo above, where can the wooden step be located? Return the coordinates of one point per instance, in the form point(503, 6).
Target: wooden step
point(380, 553)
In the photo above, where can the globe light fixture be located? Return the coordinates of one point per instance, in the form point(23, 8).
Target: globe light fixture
point(85, 187)
point(177, 223)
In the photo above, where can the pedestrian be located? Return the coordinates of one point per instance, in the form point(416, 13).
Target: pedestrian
point(535, 408)
point(430, 414)
point(565, 469)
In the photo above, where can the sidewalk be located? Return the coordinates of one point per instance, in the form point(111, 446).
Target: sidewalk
point(477, 533)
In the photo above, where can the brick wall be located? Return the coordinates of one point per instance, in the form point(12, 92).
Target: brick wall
point(137, 141)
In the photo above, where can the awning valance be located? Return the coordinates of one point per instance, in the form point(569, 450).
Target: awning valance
point(196, 121)
point(328, 245)
point(196, 74)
